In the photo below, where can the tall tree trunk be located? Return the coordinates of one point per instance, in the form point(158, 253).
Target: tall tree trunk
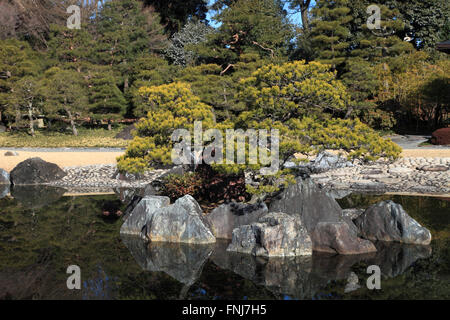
point(30, 116)
point(72, 123)
point(304, 6)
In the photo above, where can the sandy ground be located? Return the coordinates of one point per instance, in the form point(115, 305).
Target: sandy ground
point(62, 159)
point(426, 153)
point(68, 159)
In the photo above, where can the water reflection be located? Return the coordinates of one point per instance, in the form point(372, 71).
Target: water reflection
point(183, 262)
point(4, 190)
point(36, 197)
point(298, 277)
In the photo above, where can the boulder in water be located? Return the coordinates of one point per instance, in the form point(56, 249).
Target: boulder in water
point(388, 221)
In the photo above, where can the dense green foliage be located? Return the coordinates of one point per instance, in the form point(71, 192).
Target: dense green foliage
point(324, 83)
point(168, 107)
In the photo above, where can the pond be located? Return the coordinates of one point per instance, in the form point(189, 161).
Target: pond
point(42, 232)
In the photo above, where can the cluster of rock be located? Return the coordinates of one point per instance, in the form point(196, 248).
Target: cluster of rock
point(157, 220)
point(324, 161)
point(302, 219)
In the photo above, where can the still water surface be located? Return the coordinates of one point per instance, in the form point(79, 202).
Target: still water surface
point(43, 232)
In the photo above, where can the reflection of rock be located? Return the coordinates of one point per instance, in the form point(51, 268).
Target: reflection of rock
point(313, 205)
point(388, 221)
point(303, 277)
point(182, 221)
point(352, 283)
point(229, 216)
point(36, 171)
point(35, 197)
point(395, 258)
point(274, 235)
point(182, 261)
point(4, 177)
point(143, 213)
point(4, 190)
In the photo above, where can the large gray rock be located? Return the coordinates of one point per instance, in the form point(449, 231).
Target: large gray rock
point(4, 177)
point(314, 206)
point(225, 218)
point(182, 221)
point(388, 221)
point(337, 237)
point(36, 171)
point(274, 235)
point(137, 220)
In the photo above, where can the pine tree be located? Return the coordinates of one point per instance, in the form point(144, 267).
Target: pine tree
point(247, 26)
point(106, 100)
point(65, 93)
point(124, 32)
point(17, 60)
point(330, 31)
point(70, 48)
point(377, 45)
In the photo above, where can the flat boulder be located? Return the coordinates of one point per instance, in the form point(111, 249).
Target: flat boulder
point(225, 218)
point(313, 205)
point(433, 168)
point(276, 234)
point(388, 221)
point(182, 221)
point(4, 177)
point(11, 154)
point(36, 171)
point(137, 219)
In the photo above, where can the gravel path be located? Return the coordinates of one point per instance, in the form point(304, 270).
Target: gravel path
point(414, 141)
point(413, 175)
point(102, 177)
